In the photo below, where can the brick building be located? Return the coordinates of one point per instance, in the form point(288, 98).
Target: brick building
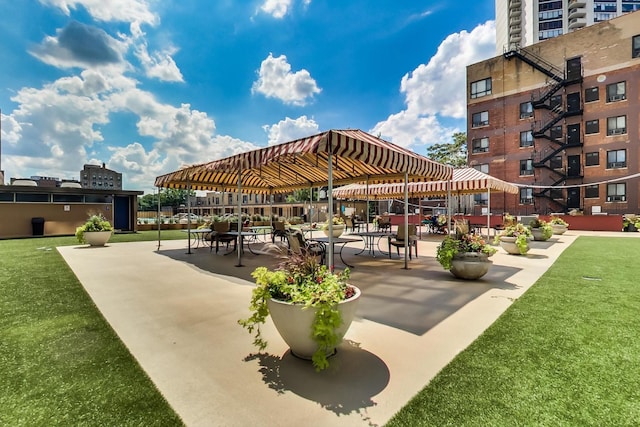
point(560, 117)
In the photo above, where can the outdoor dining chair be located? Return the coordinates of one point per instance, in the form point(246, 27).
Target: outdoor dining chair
point(299, 245)
point(220, 234)
point(398, 240)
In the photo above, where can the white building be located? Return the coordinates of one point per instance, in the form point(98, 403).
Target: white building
point(522, 23)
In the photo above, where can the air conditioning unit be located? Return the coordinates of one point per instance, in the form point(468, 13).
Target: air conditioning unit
point(609, 198)
point(617, 131)
point(617, 98)
point(623, 198)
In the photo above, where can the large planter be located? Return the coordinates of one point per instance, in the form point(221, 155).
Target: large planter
point(509, 245)
point(97, 238)
point(145, 227)
point(338, 229)
point(293, 322)
point(470, 265)
point(538, 235)
point(559, 228)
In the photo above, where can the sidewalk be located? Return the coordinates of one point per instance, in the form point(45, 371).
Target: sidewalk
point(177, 313)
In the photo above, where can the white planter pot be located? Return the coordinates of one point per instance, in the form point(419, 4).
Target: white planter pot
point(470, 265)
point(337, 230)
point(537, 235)
point(97, 238)
point(293, 322)
point(559, 228)
point(509, 245)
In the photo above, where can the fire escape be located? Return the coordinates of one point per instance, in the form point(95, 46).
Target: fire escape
point(553, 111)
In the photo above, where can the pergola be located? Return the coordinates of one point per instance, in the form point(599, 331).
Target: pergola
point(328, 158)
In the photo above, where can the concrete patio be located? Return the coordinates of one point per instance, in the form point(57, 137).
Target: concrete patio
point(177, 313)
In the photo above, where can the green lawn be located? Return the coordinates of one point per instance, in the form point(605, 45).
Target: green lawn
point(60, 362)
point(567, 353)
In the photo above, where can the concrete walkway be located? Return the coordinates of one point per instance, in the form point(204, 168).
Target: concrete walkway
point(177, 313)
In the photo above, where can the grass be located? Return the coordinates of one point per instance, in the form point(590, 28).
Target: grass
point(60, 361)
point(566, 353)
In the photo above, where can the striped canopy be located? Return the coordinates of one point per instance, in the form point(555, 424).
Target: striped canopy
point(465, 181)
point(303, 163)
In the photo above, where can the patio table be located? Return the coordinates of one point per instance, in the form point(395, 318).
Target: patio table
point(337, 241)
point(199, 234)
point(369, 241)
point(250, 234)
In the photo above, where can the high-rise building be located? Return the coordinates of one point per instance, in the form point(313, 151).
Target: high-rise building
point(522, 23)
point(561, 119)
point(100, 178)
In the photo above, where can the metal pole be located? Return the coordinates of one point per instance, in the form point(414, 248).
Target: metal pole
point(330, 206)
point(488, 214)
point(406, 220)
point(239, 241)
point(189, 215)
point(158, 218)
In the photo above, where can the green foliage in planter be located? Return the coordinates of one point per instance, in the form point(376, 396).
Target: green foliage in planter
point(301, 279)
point(94, 223)
point(545, 228)
point(451, 246)
point(556, 220)
point(520, 232)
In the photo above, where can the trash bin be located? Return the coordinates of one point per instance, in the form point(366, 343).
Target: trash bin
point(38, 226)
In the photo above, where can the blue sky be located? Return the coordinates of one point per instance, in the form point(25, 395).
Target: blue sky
point(148, 86)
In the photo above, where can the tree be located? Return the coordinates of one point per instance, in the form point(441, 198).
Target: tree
point(454, 153)
point(168, 197)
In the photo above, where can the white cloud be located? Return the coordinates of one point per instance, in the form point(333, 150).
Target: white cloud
point(290, 129)
point(57, 128)
point(438, 88)
point(160, 65)
point(112, 10)
point(275, 80)
point(276, 8)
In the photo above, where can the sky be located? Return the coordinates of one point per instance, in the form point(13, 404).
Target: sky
point(149, 86)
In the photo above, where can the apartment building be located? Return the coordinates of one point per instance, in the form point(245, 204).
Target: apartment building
point(521, 23)
point(560, 118)
point(100, 178)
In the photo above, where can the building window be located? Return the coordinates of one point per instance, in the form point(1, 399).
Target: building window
point(592, 158)
point(616, 125)
point(556, 193)
point(526, 110)
point(617, 192)
point(480, 119)
point(556, 162)
point(635, 50)
point(230, 198)
point(481, 88)
point(480, 145)
point(591, 94)
point(617, 92)
point(592, 126)
point(526, 196)
point(480, 199)
point(526, 167)
point(556, 132)
point(526, 139)
point(245, 199)
point(616, 159)
point(484, 168)
point(555, 102)
point(591, 192)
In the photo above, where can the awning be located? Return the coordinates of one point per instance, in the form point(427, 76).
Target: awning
point(303, 163)
point(465, 181)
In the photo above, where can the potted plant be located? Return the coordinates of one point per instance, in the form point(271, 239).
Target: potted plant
point(541, 230)
point(96, 231)
point(466, 257)
point(338, 226)
point(311, 307)
point(514, 239)
point(630, 223)
point(558, 225)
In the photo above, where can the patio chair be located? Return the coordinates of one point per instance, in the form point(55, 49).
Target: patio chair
point(384, 224)
point(352, 224)
point(398, 240)
point(299, 245)
point(220, 234)
point(279, 230)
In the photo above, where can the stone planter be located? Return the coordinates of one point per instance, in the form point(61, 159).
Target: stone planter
point(470, 265)
point(509, 245)
point(97, 238)
point(337, 230)
point(559, 228)
point(293, 322)
point(537, 235)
